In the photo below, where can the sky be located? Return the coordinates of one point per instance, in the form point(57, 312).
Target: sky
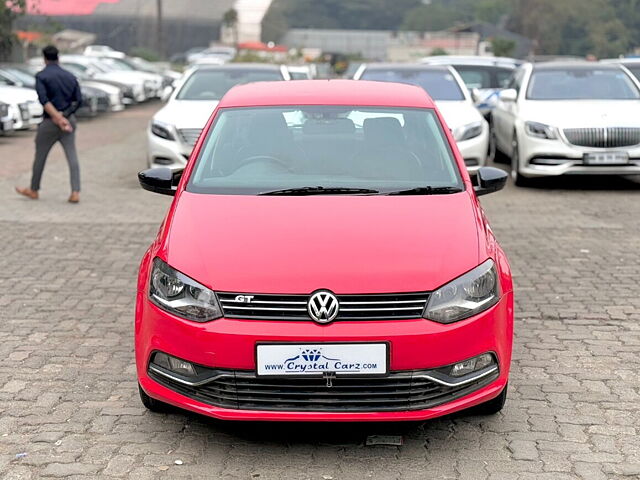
point(65, 7)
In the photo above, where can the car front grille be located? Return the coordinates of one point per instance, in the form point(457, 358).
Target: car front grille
point(610, 137)
point(189, 135)
point(388, 306)
point(399, 391)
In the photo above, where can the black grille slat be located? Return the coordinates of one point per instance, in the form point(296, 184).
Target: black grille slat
point(399, 391)
point(609, 137)
point(352, 307)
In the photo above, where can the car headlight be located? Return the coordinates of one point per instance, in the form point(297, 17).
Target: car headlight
point(472, 293)
point(540, 130)
point(178, 294)
point(467, 132)
point(162, 130)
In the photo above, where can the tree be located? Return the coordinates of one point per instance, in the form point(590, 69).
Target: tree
point(230, 20)
point(9, 11)
point(502, 47)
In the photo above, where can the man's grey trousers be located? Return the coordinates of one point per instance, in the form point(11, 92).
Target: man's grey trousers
point(48, 134)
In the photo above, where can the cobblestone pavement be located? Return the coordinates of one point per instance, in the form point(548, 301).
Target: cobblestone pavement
point(68, 400)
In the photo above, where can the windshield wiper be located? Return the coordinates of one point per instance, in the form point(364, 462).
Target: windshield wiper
point(425, 191)
point(320, 190)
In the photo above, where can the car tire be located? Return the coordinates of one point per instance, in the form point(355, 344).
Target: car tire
point(495, 155)
point(493, 406)
point(517, 177)
point(151, 403)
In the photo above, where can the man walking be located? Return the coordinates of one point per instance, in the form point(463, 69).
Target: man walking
point(59, 93)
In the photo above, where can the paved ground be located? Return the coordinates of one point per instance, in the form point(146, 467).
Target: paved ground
point(68, 399)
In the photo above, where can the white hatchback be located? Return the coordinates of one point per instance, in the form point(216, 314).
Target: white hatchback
point(446, 88)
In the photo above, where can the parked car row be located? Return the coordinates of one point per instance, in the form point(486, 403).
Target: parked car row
point(109, 81)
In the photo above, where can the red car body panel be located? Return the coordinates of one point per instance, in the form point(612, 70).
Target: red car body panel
point(348, 244)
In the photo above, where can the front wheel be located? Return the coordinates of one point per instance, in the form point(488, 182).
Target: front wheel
point(518, 179)
point(151, 403)
point(493, 406)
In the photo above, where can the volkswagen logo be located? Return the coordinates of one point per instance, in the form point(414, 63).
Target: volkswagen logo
point(323, 306)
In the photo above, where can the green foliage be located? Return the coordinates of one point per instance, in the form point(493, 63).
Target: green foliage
point(557, 27)
point(502, 47)
point(438, 51)
point(9, 11)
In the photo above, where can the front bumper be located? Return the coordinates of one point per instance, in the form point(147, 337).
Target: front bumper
point(474, 151)
point(543, 158)
point(173, 154)
point(414, 345)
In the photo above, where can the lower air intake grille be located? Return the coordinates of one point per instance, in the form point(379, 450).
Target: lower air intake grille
point(400, 391)
point(352, 307)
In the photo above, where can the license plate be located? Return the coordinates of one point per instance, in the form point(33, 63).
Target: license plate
point(606, 158)
point(322, 358)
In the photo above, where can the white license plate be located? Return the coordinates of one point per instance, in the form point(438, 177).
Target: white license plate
point(322, 358)
point(606, 158)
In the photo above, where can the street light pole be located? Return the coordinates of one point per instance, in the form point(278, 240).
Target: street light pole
point(159, 30)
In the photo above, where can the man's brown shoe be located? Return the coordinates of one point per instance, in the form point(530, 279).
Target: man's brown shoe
point(27, 192)
point(75, 197)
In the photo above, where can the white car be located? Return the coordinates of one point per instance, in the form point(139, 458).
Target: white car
point(174, 129)
point(631, 64)
point(483, 76)
point(6, 120)
point(446, 88)
point(300, 72)
point(222, 53)
point(142, 90)
point(102, 51)
point(24, 106)
point(561, 118)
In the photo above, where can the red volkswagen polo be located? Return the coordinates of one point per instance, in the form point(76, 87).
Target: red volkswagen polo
point(325, 258)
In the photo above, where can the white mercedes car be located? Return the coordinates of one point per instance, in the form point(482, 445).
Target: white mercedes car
point(569, 118)
point(446, 88)
point(24, 107)
point(175, 128)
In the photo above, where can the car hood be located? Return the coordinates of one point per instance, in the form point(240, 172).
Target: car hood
point(583, 113)
point(348, 244)
point(17, 94)
point(186, 113)
point(457, 114)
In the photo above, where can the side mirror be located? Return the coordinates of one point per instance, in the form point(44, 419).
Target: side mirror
point(166, 93)
point(489, 180)
point(161, 180)
point(509, 95)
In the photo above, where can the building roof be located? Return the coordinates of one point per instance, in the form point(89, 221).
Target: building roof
point(327, 92)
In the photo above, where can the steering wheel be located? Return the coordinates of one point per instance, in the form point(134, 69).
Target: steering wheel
point(263, 158)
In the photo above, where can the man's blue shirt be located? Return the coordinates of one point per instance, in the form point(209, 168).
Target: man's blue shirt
point(56, 85)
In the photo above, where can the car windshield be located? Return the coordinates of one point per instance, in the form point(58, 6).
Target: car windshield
point(340, 149)
point(28, 80)
point(581, 84)
point(635, 69)
point(213, 84)
point(482, 76)
point(439, 84)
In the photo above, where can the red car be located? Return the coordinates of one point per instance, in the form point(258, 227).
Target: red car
point(325, 258)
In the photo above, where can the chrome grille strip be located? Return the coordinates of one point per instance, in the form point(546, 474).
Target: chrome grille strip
point(610, 137)
point(294, 307)
point(189, 135)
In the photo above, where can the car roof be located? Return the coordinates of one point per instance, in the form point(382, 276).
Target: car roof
point(464, 60)
point(405, 66)
point(237, 66)
point(575, 65)
point(327, 92)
